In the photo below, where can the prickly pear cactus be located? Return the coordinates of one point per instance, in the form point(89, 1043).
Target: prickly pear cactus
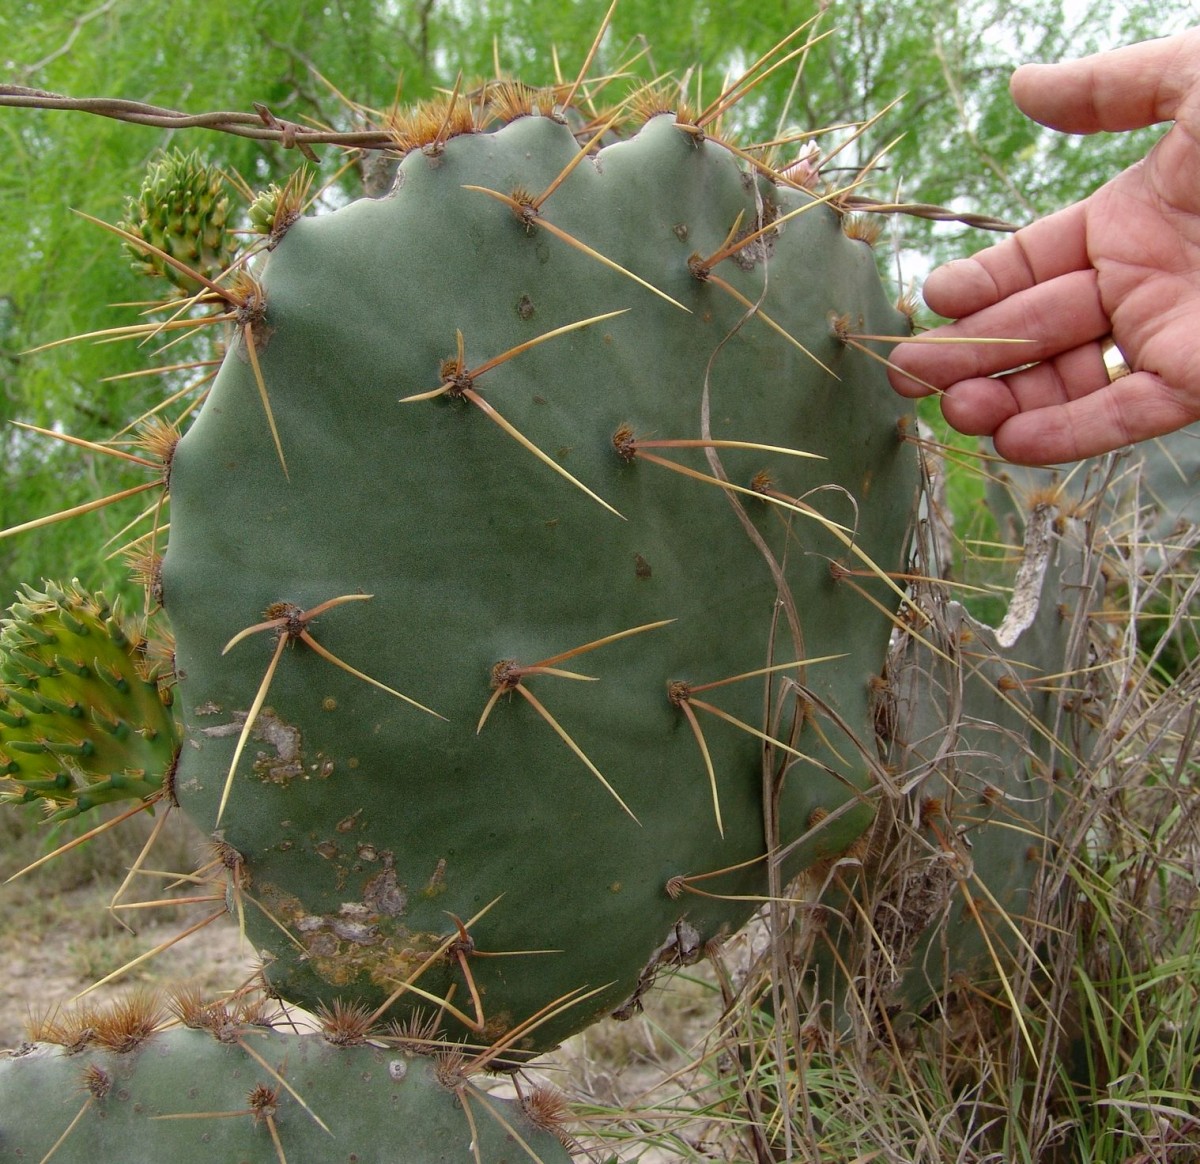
point(255, 1095)
point(84, 720)
point(445, 649)
point(978, 725)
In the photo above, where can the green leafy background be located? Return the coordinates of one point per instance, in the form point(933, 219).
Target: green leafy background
point(955, 139)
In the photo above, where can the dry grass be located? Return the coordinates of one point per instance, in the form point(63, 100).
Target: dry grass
point(1074, 1036)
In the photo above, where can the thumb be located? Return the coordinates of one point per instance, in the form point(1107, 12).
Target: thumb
point(1126, 88)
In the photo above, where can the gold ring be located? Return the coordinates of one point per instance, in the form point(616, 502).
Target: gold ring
point(1115, 363)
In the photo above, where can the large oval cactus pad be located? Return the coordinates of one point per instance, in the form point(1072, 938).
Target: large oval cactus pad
point(370, 829)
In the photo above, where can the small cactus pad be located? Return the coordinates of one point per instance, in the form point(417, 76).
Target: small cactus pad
point(978, 724)
point(483, 510)
point(83, 720)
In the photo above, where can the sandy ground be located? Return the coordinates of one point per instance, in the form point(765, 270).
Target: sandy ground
point(58, 937)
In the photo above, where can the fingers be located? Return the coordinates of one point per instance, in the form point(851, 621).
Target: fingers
point(1048, 320)
point(1065, 409)
point(1047, 248)
point(1127, 88)
point(979, 406)
point(1134, 408)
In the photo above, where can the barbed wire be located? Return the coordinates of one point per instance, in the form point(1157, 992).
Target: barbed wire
point(263, 125)
point(935, 213)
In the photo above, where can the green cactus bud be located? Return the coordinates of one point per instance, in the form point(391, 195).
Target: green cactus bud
point(83, 718)
point(277, 207)
point(182, 210)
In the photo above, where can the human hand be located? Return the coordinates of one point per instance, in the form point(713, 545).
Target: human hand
point(1125, 261)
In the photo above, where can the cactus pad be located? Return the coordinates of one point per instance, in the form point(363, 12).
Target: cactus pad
point(256, 1096)
point(476, 512)
point(978, 724)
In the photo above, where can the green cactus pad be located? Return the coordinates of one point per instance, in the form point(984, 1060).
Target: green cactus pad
point(978, 724)
point(369, 828)
point(254, 1096)
point(83, 721)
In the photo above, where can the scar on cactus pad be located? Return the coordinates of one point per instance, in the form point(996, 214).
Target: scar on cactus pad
point(686, 297)
point(290, 625)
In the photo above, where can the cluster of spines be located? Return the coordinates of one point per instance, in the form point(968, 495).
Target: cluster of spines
point(430, 124)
